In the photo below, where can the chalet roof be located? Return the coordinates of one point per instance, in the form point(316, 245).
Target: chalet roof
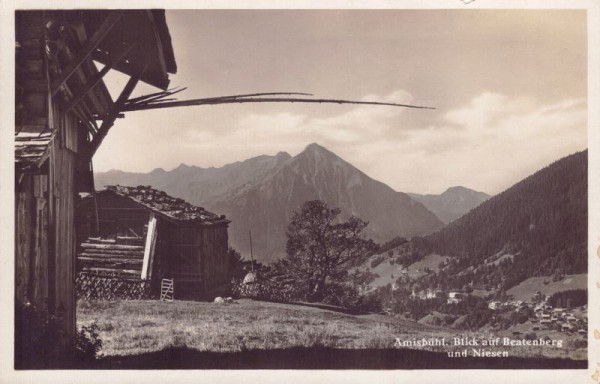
point(137, 43)
point(153, 50)
point(173, 208)
point(31, 149)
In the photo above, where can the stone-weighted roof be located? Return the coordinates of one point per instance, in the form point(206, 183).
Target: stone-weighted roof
point(171, 207)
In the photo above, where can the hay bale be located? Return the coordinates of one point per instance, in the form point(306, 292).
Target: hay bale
point(251, 277)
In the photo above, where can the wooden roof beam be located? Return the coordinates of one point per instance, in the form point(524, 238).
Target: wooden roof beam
point(110, 119)
point(80, 115)
point(98, 78)
point(86, 51)
point(244, 99)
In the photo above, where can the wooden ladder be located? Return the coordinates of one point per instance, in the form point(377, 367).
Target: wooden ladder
point(167, 290)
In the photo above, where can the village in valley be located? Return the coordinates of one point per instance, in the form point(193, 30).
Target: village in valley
point(277, 261)
point(552, 306)
point(543, 318)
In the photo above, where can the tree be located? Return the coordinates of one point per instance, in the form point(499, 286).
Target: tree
point(321, 249)
point(236, 263)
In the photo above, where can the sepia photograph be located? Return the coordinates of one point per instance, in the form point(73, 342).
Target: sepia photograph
point(261, 189)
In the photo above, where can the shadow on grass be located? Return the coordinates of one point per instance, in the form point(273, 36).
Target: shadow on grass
point(322, 358)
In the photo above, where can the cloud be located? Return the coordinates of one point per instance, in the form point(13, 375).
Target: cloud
point(355, 125)
point(487, 108)
point(489, 143)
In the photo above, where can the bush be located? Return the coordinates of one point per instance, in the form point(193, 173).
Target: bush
point(376, 261)
point(41, 343)
point(574, 297)
point(38, 337)
point(369, 303)
point(87, 343)
point(580, 343)
point(346, 295)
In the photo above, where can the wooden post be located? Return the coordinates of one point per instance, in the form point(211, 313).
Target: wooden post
point(251, 255)
point(95, 200)
point(109, 121)
point(149, 249)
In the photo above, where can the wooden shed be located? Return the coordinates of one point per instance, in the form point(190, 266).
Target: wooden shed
point(63, 110)
point(142, 234)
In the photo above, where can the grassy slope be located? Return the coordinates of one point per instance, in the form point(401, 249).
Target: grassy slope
point(132, 327)
point(529, 287)
point(385, 270)
point(141, 327)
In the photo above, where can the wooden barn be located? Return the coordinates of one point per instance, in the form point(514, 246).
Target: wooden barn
point(139, 234)
point(63, 110)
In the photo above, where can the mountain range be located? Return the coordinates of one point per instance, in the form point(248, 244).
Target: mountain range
point(453, 203)
point(261, 193)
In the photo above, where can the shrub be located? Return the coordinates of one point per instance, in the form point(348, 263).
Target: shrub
point(346, 295)
point(580, 343)
point(573, 297)
point(38, 337)
point(41, 343)
point(87, 343)
point(376, 261)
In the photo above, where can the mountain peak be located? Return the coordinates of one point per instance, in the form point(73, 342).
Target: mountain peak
point(158, 170)
point(460, 190)
point(452, 203)
point(457, 188)
point(317, 150)
point(283, 155)
point(315, 147)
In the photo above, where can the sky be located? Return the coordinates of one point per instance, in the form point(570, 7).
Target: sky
point(509, 89)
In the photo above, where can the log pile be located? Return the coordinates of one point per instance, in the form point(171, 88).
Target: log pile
point(112, 256)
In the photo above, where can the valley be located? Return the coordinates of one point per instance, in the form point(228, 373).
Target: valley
point(462, 260)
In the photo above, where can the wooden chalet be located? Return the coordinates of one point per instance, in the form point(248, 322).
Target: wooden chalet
point(136, 234)
point(63, 110)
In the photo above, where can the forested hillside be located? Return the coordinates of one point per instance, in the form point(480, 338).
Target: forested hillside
point(540, 221)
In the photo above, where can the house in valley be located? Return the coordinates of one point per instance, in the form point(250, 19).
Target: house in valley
point(139, 235)
point(455, 297)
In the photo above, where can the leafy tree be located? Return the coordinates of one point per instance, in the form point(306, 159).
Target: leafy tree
point(321, 248)
point(572, 297)
point(236, 263)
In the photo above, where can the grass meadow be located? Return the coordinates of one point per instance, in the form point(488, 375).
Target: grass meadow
point(141, 327)
point(133, 327)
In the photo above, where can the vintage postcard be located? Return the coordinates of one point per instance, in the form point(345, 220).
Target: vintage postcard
point(346, 191)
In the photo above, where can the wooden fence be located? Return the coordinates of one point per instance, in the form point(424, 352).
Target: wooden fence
point(110, 287)
point(263, 289)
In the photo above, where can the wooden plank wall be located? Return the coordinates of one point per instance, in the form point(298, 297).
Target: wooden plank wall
point(214, 253)
point(62, 211)
point(196, 256)
point(116, 213)
point(31, 253)
point(45, 233)
point(24, 220)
